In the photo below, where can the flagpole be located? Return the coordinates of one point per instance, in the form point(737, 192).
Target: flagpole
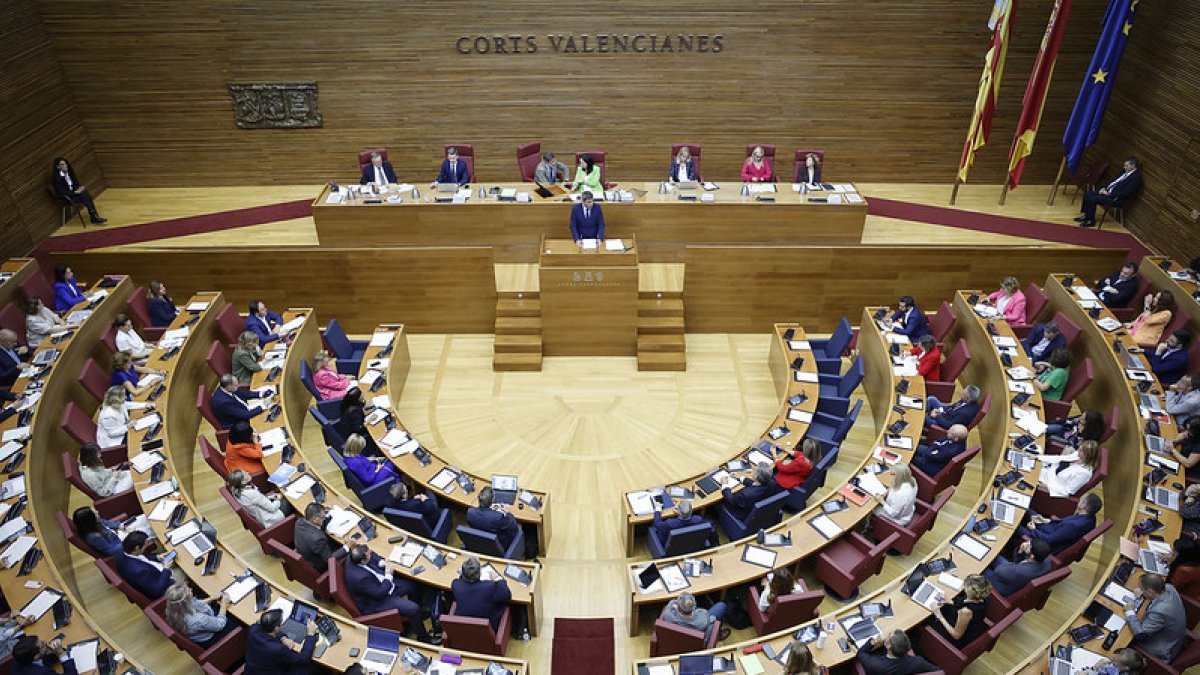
point(954, 192)
point(1004, 191)
point(1054, 188)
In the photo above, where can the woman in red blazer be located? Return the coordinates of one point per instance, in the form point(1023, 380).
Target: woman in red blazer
point(791, 472)
point(1010, 301)
point(929, 358)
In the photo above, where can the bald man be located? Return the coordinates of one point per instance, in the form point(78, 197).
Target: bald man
point(933, 458)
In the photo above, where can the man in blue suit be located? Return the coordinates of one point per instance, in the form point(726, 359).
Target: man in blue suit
point(909, 319)
point(372, 584)
point(739, 504)
point(1063, 532)
point(587, 219)
point(946, 415)
point(933, 458)
point(270, 652)
point(423, 504)
point(477, 598)
point(263, 322)
point(1043, 340)
point(142, 569)
point(1118, 288)
point(454, 170)
point(12, 357)
point(685, 518)
point(492, 517)
point(229, 404)
point(379, 171)
point(1169, 360)
point(31, 656)
point(1031, 561)
point(1118, 193)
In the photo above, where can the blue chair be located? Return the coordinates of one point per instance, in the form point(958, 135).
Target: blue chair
point(828, 353)
point(798, 496)
point(835, 390)
point(373, 498)
point(831, 430)
point(331, 408)
point(349, 352)
point(487, 543)
point(333, 437)
point(766, 513)
point(682, 541)
point(414, 523)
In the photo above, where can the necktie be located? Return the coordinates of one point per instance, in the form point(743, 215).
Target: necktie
point(586, 213)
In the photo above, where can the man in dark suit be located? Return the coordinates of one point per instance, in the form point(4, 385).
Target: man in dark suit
point(1043, 340)
point(587, 219)
point(481, 599)
point(310, 539)
point(372, 584)
point(229, 404)
point(933, 458)
point(741, 503)
point(1169, 360)
point(1061, 533)
point(142, 569)
point(424, 505)
point(263, 322)
point(1031, 561)
point(892, 655)
point(1118, 193)
point(1118, 288)
point(13, 357)
point(909, 320)
point(31, 656)
point(270, 652)
point(492, 517)
point(945, 415)
point(68, 188)
point(685, 518)
point(454, 170)
point(379, 171)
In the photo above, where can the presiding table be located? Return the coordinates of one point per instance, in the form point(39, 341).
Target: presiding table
point(664, 223)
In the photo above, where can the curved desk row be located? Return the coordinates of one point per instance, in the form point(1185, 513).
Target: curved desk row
point(783, 353)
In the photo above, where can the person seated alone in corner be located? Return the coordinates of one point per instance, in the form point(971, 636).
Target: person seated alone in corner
point(909, 320)
point(68, 188)
point(481, 599)
point(270, 652)
point(372, 583)
point(379, 171)
point(1062, 532)
point(684, 518)
point(492, 517)
point(1118, 192)
point(791, 470)
point(762, 485)
point(934, 457)
point(892, 655)
point(587, 219)
point(682, 611)
point(141, 568)
point(423, 504)
point(231, 405)
point(945, 415)
point(1043, 340)
point(929, 358)
point(550, 170)
point(1162, 629)
point(453, 170)
point(1117, 289)
point(1169, 360)
point(1031, 560)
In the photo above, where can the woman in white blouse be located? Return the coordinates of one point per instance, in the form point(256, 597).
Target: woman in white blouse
point(266, 510)
point(128, 340)
point(103, 481)
point(900, 502)
point(112, 422)
point(41, 322)
point(1065, 478)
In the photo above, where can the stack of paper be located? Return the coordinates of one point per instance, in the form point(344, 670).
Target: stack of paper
point(18, 434)
point(614, 245)
point(641, 503)
point(341, 521)
point(381, 340)
point(300, 486)
point(407, 554)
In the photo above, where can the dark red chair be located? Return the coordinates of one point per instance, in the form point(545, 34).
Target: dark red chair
point(12, 317)
point(223, 655)
point(297, 569)
point(1130, 311)
point(230, 324)
point(212, 670)
point(768, 156)
point(219, 359)
point(471, 634)
point(283, 531)
point(1185, 659)
point(204, 405)
point(598, 158)
point(798, 164)
point(1075, 552)
point(942, 322)
point(364, 158)
point(1070, 329)
point(1035, 303)
point(529, 155)
point(1062, 507)
point(72, 535)
point(1078, 379)
point(108, 507)
point(37, 285)
point(390, 619)
point(1087, 179)
point(928, 487)
point(939, 651)
point(669, 639)
point(109, 569)
point(82, 429)
point(952, 367)
point(792, 609)
point(858, 669)
point(694, 149)
point(139, 308)
point(931, 434)
point(852, 559)
point(922, 522)
point(1033, 596)
point(69, 210)
point(109, 339)
point(94, 380)
point(466, 153)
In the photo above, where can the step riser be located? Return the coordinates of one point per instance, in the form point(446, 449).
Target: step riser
point(661, 343)
point(533, 348)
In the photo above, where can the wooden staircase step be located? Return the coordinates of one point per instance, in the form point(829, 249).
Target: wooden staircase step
point(662, 361)
point(657, 325)
point(663, 307)
point(514, 307)
point(673, 342)
point(653, 295)
point(507, 344)
point(517, 295)
point(517, 361)
point(518, 325)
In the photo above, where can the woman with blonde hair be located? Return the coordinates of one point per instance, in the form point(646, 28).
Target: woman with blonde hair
point(266, 510)
point(1065, 478)
point(900, 502)
point(962, 619)
point(196, 619)
point(1009, 301)
point(683, 167)
point(112, 422)
point(246, 356)
point(329, 382)
point(370, 470)
point(757, 168)
point(40, 321)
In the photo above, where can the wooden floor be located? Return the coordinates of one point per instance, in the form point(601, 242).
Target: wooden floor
point(584, 429)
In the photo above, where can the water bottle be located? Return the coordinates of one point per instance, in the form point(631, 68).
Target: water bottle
point(745, 189)
point(821, 637)
point(416, 194)
point(804, 189)
point(482, 192)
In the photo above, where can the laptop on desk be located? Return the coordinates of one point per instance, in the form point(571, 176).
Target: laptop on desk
point(1150, 403)
point(687, 185)
point(505, 488)
point(447, 187)
point(383, 648)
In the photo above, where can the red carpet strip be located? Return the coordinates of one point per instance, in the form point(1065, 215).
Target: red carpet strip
point(583, 647)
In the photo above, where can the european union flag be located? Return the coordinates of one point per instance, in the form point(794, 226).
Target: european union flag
point(1084, 126)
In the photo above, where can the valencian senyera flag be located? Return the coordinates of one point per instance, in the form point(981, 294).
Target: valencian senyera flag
point(1035, 91)
point(989, 84)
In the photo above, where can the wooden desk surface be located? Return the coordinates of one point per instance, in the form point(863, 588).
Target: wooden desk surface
point(567, 253)
point(663, 223)
point(908, 614)
point(728, 567)
point(1125, 466)
point(180, 389)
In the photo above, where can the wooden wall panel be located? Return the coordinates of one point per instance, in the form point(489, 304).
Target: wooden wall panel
point(1154, 114)
point(887, 88)
point(40, 123)
point(748, 289)
point(429, 290)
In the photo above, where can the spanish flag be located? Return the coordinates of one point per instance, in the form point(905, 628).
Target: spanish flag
point(989, 84)
point(1035, 92)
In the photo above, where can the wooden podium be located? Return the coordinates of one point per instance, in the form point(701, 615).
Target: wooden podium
point(589, 299)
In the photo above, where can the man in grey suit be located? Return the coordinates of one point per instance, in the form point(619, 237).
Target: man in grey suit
point(312, 543)
point(1031, 561)
point(1163, 628)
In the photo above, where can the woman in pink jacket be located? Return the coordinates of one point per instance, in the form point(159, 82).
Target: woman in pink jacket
point(1010, 301)
point(326, 378)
